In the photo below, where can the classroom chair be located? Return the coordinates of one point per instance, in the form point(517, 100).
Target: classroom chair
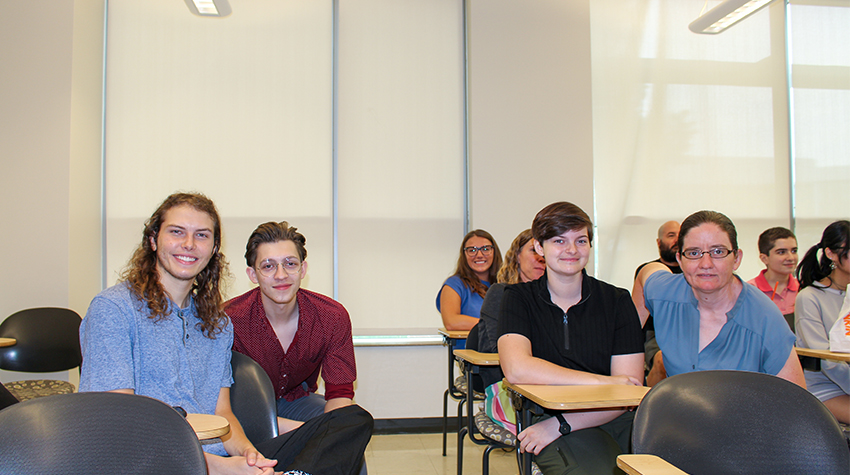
point(48, 340)
point(98, 432)
point(252, 399)
point(711, 422)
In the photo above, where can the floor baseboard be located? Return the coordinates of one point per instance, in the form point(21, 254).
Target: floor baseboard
point(424, 425)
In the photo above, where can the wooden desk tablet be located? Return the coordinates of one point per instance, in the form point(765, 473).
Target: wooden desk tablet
point(580, 397)
point(643, 464)
point(453, 334)
point(477, 358)
point(208, 426)
point(823, 354)
point(7, 341)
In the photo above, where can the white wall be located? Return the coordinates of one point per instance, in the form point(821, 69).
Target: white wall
point(50, 151)
point(530, 134)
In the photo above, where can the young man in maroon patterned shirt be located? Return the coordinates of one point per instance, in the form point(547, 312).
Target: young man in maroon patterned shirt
point(292, 332)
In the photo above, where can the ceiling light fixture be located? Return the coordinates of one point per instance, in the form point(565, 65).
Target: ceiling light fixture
point(725, 15)
point(206, 8)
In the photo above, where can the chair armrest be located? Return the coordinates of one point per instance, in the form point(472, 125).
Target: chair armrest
point(643, 464)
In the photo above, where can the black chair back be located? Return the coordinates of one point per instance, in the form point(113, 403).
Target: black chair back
point(711, 422)
point(252, 399)
point(97, 433)
point(48, 340)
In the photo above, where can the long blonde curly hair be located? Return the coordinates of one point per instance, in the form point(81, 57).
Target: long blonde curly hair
point(509, 272)
point(143, 279)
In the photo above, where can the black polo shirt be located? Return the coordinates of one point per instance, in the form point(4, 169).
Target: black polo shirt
point(602, 324)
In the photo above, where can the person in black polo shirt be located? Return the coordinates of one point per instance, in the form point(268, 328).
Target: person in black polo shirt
point(569, 328)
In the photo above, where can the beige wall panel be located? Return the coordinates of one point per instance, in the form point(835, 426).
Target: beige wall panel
point(530, 136)
point(238, 108)
point(400, 158)
point(35, 115)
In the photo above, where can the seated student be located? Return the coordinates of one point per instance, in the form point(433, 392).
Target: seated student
point(292, 332)
point(522, 264)
point(569, 328)
point(668, 245)
point(823, 285)
point(706, 318)
point(162, 333)
point(778, 252)
point(459, 299)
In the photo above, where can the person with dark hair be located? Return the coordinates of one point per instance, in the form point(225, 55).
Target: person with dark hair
point(707, 317)
point(569, 328)
point(668, 244)
point(778, 252)
point(461, 295)
point(824, 274)
point(292, 332)
point(161, 332)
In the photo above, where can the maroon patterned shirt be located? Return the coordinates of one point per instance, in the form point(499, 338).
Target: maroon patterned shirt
point(323, 340)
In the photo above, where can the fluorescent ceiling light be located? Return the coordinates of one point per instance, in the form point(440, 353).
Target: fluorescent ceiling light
point(219, 8)
point(725, 15)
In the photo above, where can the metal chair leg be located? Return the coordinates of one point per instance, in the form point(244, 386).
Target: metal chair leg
point(445, 419)
point(485, 462)
point(460, 434)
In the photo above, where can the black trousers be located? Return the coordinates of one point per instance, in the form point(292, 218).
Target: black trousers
point(331, 444)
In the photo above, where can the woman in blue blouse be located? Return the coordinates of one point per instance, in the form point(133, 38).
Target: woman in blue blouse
point(459, 299)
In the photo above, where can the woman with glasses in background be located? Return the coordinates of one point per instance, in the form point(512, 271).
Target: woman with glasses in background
point(707, 318)
point(823, 285)
point(459, 299)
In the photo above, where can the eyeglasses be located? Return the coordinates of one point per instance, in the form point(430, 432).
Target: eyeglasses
point(269, 267)
point(714, 253)
point(486, 250)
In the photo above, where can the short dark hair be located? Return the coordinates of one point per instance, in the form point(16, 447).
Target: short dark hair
point(272, 232)
point(767, 239)
point(701, 217)
point(558, 218)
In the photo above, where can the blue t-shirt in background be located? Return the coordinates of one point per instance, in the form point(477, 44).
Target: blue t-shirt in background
point(470, 302)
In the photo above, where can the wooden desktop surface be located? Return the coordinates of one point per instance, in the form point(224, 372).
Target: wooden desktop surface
point(642, 464)
point(208, 426)
point(576, 397)
point(477, 358)
point(454, 334)
point(823, 354)
point(7, 341)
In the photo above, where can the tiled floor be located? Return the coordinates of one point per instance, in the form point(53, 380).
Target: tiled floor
point(421, 454)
